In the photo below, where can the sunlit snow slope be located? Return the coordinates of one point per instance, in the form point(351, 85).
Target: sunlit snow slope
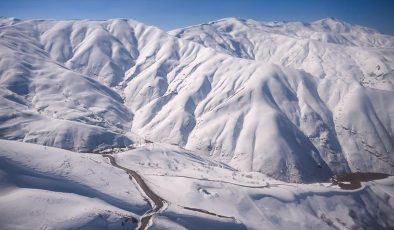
point(48, 188)
point(51, 188)
point(296, 101)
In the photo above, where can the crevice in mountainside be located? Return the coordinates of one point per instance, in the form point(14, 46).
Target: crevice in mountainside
point(316, 114)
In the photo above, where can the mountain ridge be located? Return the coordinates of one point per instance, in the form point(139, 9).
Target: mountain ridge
point(119, 78)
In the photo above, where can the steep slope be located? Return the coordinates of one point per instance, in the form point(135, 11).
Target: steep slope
point(88, 85)
point(46, 103)
point(328, 48)
point(340, 57)
point(59, 189)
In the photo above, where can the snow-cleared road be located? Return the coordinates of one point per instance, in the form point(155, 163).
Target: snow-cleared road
point(37, 182)
point(158, 202)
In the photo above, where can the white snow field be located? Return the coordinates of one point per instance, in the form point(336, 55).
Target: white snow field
point(51, 188)
point(234, 124)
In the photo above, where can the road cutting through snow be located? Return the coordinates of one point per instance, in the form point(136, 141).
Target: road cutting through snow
point(158, 202)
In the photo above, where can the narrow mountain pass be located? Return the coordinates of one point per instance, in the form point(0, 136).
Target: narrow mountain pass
point(158, 202)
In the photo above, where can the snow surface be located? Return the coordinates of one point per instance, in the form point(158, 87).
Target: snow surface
point(296, 101)
point(46, 187)
point(51, 188)
point(253, 199)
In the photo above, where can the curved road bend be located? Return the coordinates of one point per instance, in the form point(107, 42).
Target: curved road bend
point(157, 200)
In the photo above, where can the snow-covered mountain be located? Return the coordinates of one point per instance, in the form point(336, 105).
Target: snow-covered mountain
point(191, 128)
point(350, 65)
point(299, 102)
point(327, 48)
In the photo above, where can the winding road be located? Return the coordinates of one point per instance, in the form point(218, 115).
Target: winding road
point(157, 200)
point(349, 181)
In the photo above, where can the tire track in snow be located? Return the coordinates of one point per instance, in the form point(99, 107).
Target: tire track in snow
point(211, 213)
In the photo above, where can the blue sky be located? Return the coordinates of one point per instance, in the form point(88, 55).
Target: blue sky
point(170, 14)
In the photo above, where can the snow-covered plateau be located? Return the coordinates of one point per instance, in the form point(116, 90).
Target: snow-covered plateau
point(232, 124)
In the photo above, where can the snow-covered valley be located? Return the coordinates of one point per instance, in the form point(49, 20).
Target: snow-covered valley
point(52, 188)
point(232, 124)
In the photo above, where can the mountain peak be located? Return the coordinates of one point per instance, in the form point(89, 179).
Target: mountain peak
point(332, 24)
point(229, 21)
point(7, 21)
point(331, 19)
